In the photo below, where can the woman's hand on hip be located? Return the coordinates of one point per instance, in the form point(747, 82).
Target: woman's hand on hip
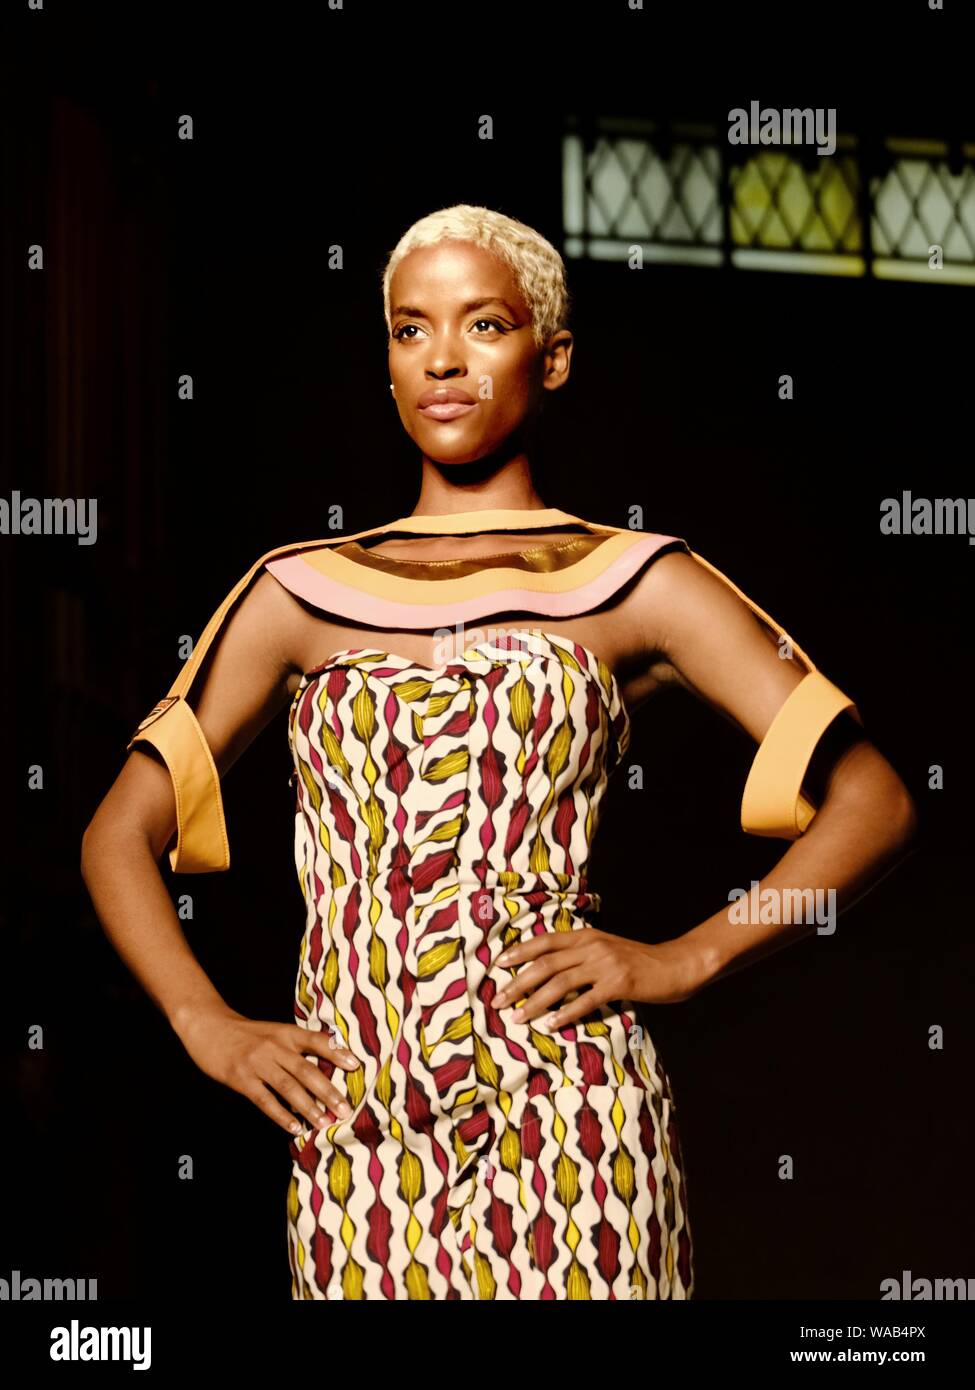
point(257, 1058)
point(604, 966)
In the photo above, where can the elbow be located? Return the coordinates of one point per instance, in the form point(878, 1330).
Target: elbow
point(901, 821)
point(874, 795)
point(906, 821)
point(878, 808)
point(87, 843)
point(92, 844)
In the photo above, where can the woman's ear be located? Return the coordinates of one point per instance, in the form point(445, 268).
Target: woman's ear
point(558, 356)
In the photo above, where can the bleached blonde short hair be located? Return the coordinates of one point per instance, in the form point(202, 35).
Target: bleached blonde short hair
point(538, 268)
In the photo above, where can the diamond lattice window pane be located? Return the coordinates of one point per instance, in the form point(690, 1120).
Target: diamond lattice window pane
point(918, 204)
point(673, 191)
point(778, 204)
point(634, 192)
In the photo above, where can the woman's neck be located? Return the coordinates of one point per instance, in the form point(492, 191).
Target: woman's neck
point(466, 488)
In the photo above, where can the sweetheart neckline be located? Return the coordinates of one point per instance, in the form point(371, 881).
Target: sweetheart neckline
point(432, 670)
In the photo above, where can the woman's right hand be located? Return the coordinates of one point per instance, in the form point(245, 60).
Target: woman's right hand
point(251, 1055)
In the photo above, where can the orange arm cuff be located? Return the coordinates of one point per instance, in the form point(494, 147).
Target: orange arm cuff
point(773, 803)
point(201, 833)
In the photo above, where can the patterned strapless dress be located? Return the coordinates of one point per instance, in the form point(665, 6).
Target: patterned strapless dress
point(442, 815)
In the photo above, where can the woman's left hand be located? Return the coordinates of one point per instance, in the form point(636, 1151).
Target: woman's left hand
point(555, 963)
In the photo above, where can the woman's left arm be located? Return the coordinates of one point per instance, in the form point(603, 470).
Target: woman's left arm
point(710, 641)
point(695, 631)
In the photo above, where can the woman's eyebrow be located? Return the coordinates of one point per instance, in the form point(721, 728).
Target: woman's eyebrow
point(465, 308)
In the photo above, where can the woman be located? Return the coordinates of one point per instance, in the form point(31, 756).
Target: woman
point(479, 1115)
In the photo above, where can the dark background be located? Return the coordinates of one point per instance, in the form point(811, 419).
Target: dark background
point(165, 257)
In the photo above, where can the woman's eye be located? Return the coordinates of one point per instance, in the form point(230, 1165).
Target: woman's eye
point(399, 333)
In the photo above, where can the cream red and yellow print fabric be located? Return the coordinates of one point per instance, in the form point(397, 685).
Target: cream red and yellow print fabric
point(443, 814)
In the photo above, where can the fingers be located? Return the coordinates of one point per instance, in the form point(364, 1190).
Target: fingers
point(555, 991)
point(317, 1112)
point(321, 1088)
point(299, 1080)
point(531, 977)
point(324, 1043)
point(265, 1101)
point(541, 945)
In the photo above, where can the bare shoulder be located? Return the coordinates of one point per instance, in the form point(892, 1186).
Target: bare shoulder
point(281, 626)
point(245, 675)
point(665, 596)
point(298, 632)
point(683, 619)
point(675, 576)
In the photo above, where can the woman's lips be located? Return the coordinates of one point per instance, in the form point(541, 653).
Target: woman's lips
point(447, 410)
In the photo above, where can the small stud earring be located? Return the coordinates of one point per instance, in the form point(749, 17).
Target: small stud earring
point(392, 387)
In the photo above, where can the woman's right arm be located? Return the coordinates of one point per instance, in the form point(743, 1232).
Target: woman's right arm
point(242, 684)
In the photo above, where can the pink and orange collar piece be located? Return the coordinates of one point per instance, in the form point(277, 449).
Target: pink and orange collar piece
point(573, 574)
point(558, 579)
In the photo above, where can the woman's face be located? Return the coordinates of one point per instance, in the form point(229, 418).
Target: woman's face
point(459, 323)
